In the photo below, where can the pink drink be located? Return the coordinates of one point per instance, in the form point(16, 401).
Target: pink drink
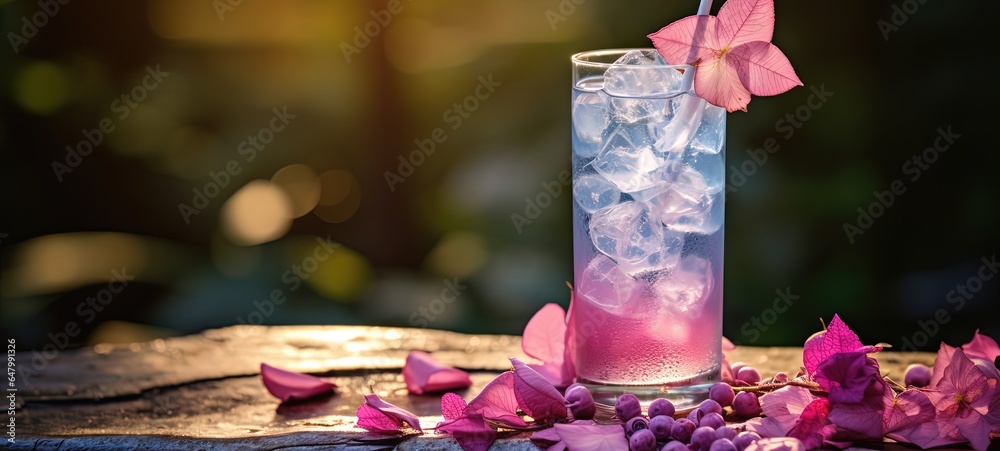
point(648, 213)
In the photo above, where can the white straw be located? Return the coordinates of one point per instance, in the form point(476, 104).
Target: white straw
point(703, 9)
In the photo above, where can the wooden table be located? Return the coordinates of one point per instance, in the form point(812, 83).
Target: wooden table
point(204, 391)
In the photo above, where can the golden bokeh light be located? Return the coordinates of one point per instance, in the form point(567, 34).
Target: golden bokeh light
point(458, 254)
point(259, 212)
point(342, 276)
point(41, 87)
point(340, 198)
point(301, 185)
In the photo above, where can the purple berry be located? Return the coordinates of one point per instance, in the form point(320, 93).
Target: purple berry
point(725, 432)
point(749, 375)
point(745, 439)
point(661, 406)
point(781, 377)
point(682, 430)
point(710, 406)
point(636, 424)
point(642, 440)
point(702, 438)
point(627, 407)
point(712, 420)
point(917, 375)
point(722, 393)
point(660, 426)
point(722, 444)
point(674, 446)
point(736, 367)
point(695, 416)
point(581, 402)
point(746, 404)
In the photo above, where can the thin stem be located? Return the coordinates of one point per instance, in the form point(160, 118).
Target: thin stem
point(811, 386)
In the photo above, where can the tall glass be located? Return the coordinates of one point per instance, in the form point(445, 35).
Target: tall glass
point(648, 211)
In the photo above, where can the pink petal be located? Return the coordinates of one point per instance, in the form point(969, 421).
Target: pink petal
point(763, 69)
point(580, 437)
point(546, 436)
point(688, 40)
point(424, 374)
point(982, 347)
point(452, 406)
point(544, 337)
point(908, 411)
point(812, 427)
point(768, 426)
point(554, 373)
point(287, 385)
point(536, 396)
point(472, 432)
point(941, 362)
point(927, 434)
point(783, 407)
point(497, 401)
point(381, 417)
point(742, 21)
point(837, 338)
point(865, 419)
point(727, 345)
point(726, 372)
point(846, 376)
point(719, 83)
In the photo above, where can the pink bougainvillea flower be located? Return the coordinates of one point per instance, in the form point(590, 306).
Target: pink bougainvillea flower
point(732, 52)
point(782, 409)
point(777, 444)
point(424, 374)
point(381, 417)
point(535, 395)
point(452, 406)
point(287, 385)
point(591, 437)
point(544, 339)
point(497, 401)
point(813, 426)
point(471, 431)
point(941, 362)
point(982, 347)
point(964, 395)
point(846, 376)
point(835, 339)
point(911, 419)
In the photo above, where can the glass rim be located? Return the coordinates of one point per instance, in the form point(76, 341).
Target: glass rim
point(578, 59)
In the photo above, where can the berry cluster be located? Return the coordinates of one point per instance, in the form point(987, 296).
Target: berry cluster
point(703, 429)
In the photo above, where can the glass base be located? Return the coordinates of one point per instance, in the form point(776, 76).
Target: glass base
point(683, 394)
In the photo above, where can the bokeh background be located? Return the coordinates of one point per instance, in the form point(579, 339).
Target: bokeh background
point(360, 103)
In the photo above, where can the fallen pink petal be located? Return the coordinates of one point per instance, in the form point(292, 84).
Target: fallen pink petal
point(288, 385)
point(472, 432)
point(835, 339)
point(535, 395)
point(381, 417)
point(544, 339)
point(583, 437)
point(423, 374)
point(497, 401)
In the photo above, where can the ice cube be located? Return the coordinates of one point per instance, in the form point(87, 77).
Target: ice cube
point(606, 285)
point(590, 118)
point(711, 167)
point(628, 77)
point(711, 134)
point(626, 232)
point(593, 192)
point(627, 160)
point(631, 110)
point(688, 206)
point(684, 291)
point(666, 257)
point(675, 131)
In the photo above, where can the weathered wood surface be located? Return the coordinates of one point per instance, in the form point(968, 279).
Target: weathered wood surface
point(204, 391)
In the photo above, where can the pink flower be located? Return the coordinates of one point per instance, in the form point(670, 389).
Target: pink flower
point(424, 374)
point(732, 52)
point(982, 347)
point(287, 385)
point(966, 396)
point(835, 339)
point(545, 339)
point(381, 417)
